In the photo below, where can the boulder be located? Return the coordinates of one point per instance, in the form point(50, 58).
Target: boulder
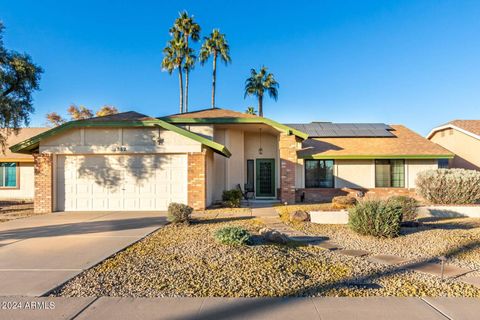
point(273, 236)
point(299, 216)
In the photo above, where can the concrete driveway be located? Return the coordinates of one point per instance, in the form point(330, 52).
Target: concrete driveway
point(39, 253)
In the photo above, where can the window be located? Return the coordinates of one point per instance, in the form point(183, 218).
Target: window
point(8, 175)
point(389, 173)
point(319, 174)
point(442, 163)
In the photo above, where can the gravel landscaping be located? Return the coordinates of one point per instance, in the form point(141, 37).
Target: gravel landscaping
point(185, 260)
point(458, 239)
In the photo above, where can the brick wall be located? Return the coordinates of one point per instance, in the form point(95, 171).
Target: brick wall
point(197, 184)
point(43, 169)
point(326, 194)
point(288, 161)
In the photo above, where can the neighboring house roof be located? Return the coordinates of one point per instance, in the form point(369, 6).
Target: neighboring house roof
point(224, 116)
point(405, 144)
point(14, 138)
point(469, 127)
point(329, 129)
point(124, 119)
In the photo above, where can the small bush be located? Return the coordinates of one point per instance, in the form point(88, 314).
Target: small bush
point(233, 236)
point(378, 218)
point(409, 207)
point(343, 202)
point(449, 186)
point(232, 198)
point(179, 212)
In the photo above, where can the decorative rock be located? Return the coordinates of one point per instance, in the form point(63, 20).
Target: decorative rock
point(273, 235)
point(299, 216)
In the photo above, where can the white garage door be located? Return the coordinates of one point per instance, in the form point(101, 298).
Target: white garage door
point(120, 182)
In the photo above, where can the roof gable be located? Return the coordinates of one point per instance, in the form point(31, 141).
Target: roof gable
point(223, 116)
point(125, 119)
point(469, 127)
point(212, 113)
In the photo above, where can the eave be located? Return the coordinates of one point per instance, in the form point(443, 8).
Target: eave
point(31, 144)
point(259, 120)
point(371, 157)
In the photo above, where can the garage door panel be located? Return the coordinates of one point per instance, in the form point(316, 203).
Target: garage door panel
point(121, 182)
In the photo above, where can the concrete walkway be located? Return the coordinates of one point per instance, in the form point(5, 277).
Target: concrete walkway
point(242, 308)
point(39, 253)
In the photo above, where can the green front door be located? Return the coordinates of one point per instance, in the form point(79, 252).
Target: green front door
point(265, 186)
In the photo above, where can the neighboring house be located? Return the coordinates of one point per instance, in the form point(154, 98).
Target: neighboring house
point(462, 137)
point(130, 161)
point(16, 170)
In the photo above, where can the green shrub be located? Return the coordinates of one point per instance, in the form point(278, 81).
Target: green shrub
point(343, 202)
point(232, 198)
point(409, 206)
point(449, 186)
point(179, 212)
point(233, 236)
point(378, 218)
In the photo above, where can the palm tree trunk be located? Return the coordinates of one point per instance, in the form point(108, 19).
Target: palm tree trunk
point(214, 78)
point(260, 105)
point(186, 90)
point(180, 79)
point(186, 80)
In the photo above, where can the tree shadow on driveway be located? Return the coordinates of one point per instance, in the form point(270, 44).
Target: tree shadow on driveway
point(82, 228)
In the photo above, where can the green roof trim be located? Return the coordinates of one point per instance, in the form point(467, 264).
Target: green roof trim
point(368, 157)
point(27, 146)
point(228, 120)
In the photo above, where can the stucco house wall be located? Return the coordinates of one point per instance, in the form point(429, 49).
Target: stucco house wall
point(228, 173)
point(465, 148)
point(354, 173)
point(104, 140)
point(361, 173)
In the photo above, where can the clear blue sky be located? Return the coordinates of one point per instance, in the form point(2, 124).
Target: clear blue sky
point(411, 62)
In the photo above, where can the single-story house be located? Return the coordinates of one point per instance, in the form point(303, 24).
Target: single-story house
point(16, 169)
point(130, 161)
point(462, 137)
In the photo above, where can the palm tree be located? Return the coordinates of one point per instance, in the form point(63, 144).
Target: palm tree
point(251, 110)
point(188, 65)
point(173, 56)
point(215, 45)
point(188, 29)
point(258, 83)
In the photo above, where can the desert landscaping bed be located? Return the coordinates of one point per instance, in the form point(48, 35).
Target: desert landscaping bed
point(185, 260)
point(13, 209)
point(456, 238)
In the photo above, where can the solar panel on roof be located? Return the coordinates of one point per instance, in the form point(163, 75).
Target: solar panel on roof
point(328, 129)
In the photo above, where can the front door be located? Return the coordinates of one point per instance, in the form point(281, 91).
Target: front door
point(265, 178)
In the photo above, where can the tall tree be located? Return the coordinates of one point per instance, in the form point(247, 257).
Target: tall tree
point(19, 78)
point(54, 119)
point(188, 65)
point(260, 82)
point(173, 56)
point(188, 29)
point(251, 110)
point(79, 113)
point(215, 45)
point(106, 111)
